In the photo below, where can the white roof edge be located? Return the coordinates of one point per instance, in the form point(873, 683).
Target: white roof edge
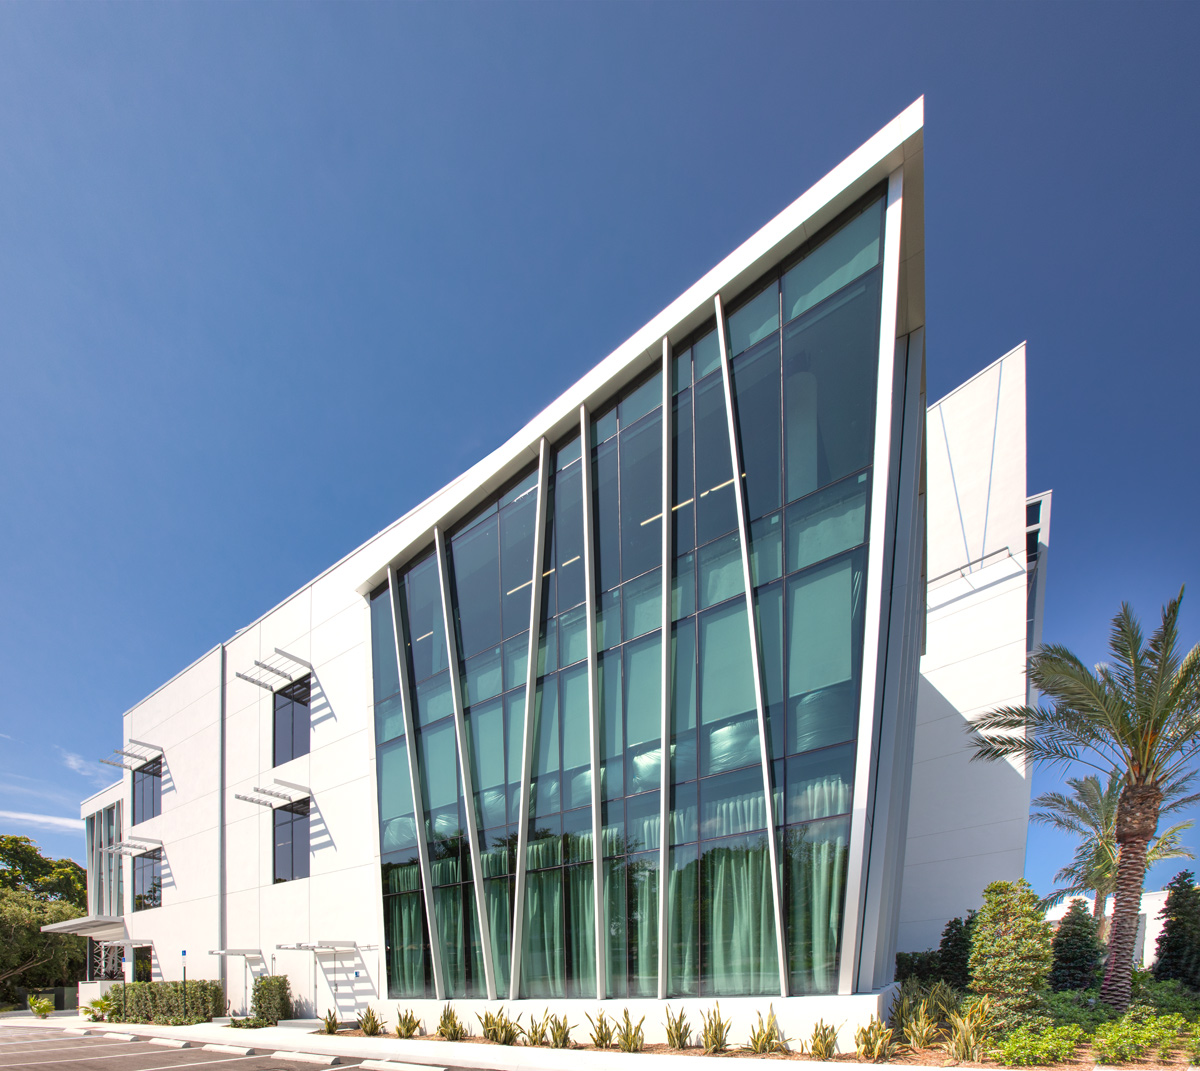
point(982, 372)
point(883, 152)
point(119, 783)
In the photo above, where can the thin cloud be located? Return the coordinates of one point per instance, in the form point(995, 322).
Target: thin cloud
point(43, 821)
point(88, 768)
point(5, 736)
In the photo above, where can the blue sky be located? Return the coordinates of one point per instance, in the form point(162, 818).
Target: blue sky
point(271, 274)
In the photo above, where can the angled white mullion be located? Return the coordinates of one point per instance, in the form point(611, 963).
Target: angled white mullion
point(739, 492)
point(593, 675)
point(414, 778)
point(464, 766)
point(664, 807)
point(535, 626)
point(860, 832)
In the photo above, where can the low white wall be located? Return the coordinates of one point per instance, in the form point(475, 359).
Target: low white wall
point(796, 1015)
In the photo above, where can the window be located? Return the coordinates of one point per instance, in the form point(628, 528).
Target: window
point(147, 880)
point(291, 841)
point(147, 791)
point(291, 721)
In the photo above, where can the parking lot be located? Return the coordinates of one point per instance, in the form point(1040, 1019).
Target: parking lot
point(50, 1050)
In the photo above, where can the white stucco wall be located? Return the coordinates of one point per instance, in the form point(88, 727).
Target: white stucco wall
point(968, 820)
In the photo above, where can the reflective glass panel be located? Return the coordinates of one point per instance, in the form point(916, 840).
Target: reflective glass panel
point(841, 258)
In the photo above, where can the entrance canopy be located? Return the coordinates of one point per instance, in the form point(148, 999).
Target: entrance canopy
point(97, 927)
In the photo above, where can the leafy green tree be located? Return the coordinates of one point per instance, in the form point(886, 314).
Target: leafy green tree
point(23, 867)
point(1090, 813)
point(1139, 714)
point(1076, 949)
point(954, 953)
point(1010, 949)
point(1179, 943)
point(30, 957)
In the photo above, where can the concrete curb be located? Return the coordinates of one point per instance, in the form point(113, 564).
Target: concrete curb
point(120, 1037)
point(307, 1057)
point(170, 1043)
point(235, 1050)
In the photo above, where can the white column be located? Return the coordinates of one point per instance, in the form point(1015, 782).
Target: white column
point(535, 625)
point(739, 491)
point(410, 746)
point(668, 561)
point(464, 766)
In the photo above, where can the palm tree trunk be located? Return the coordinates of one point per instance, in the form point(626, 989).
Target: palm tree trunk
point(1137, 819)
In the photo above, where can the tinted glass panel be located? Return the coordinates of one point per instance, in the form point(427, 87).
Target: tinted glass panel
point(845, 256)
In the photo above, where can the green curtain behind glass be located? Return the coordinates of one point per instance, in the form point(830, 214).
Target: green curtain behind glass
point(738, 920)
point(405, 939)
point(815, 861)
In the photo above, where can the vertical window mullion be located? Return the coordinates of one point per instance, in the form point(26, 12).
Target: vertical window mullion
point(743, 524)
point(526, 776)
point(589, 568)
point(468, 781)
point(399, 632)
point(664, 782)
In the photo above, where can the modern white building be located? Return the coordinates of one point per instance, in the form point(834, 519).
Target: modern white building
point(438, 770)
point(987, 549)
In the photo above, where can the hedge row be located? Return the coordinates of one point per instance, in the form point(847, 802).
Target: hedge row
point(144, 1002)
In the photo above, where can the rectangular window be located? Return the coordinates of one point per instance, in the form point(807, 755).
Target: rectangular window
point(147, 791)
point(147, 880)
point(291, 720)
point(291, 841)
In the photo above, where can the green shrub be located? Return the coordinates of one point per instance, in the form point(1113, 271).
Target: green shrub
point(450, 1026)
point(630, 1038)
point(714, 1031)
point(251, 1023)
point(1119, 1042)
point(329, 1024)
point(944, 1000)
point(101, 1008)
point(271, 997)
point(407, 1024)
point(538, 1029)
point(1010, 951)
point(149, 1002)
point(1027, 1046)
point(767, 1038)
point(1075, 949)
point(679, 1031)
point(918, 966)
point(602, 1031)
point(560, 1032)
point(823, 1044)
point(498, 1027)
point(954, 952)
point(970, 1031)
point(1079, 1007)
point(875, 1042)
point(370, 1023)
point(921, 1029)
point(1166, 997)
point(1179, 943)
point(40, 1006)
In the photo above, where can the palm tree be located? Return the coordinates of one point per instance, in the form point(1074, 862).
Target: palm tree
point(1138, 714)
point(1090, 812)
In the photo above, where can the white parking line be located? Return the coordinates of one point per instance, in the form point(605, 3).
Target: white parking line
point(164, 1067)
point(61, 1048)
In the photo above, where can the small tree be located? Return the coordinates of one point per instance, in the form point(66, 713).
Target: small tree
point(954, 953)
point(1077, 950)
point(1179, 942)
point(1010, 950)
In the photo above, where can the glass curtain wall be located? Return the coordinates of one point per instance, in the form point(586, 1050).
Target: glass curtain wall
point(627, 467)
point(721, 915)
point(803, 347)
point(558, 953)
point(491, 578)
point(805, 402)
point(406, 934)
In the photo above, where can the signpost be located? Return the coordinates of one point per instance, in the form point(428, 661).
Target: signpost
point(184, 953)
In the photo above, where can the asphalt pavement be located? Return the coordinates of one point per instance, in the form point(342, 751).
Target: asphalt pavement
point(57, 1050)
